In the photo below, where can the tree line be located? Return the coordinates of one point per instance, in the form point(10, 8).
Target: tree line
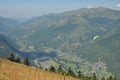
point(60, 70)
point(17, 59)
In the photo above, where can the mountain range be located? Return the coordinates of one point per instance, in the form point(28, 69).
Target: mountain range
point(69, 36)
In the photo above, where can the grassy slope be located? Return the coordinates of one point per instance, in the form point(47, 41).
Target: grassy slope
point(14, 71)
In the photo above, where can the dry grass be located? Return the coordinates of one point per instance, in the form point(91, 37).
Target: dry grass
point(14, 71)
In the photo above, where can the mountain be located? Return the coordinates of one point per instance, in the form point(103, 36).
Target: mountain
point(112, 45)
point(70, 35)
point(7, 24)
point(68, 29)
point(5, 46)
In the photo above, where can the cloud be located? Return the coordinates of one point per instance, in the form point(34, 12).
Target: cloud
point(118, 5)
point(91, 7)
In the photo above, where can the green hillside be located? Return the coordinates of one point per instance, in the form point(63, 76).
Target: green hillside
point(6, 46)
point(112, 43)
point(4, 49)
point(66, 30)
point(7, 24)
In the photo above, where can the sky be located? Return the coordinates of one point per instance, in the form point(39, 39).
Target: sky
point(33, 8)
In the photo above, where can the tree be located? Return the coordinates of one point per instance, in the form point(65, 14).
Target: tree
point(94, 77)
point(46, 69)
point(26, 61)
point(60, 70)
point(17, 60)
point(103, 78)
point(79, 74)
point(112, 78)
point(70, 72)
point(11, 57)
point(52, 69)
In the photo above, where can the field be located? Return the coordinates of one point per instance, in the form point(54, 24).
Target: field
point(15, 71)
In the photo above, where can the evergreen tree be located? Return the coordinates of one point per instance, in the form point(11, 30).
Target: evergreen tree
point(79, 74)
point(46, 69)
point(60, 70)
point(94, 77)
point(70, 72)
point(103, 78)
point(11, 57)
point(26, 61)
point(110, 78)
point(18, 60)
point(52, 69)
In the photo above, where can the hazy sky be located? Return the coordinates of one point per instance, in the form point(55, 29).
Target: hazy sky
point(31, 8)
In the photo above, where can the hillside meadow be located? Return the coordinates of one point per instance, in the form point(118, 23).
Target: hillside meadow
point(15, 71)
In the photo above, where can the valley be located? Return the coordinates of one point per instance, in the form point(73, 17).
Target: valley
point(67, 39)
